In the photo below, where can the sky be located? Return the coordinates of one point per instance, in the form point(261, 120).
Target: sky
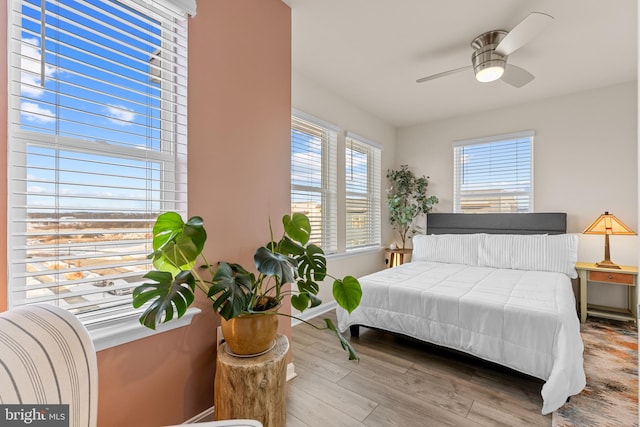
point(99, 99)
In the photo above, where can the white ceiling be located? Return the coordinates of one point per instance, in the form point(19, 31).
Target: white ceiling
point(370, 52)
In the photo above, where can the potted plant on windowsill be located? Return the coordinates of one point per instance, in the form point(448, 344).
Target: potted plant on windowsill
point(236, 293)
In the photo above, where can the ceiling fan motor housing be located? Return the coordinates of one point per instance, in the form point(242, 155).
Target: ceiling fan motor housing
point(484, 55)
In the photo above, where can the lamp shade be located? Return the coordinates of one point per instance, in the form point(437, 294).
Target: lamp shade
point(608, 224)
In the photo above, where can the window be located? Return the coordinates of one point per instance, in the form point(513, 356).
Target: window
point(313, 177)
point(97, 147)
point(362, 188)
point(494, 174)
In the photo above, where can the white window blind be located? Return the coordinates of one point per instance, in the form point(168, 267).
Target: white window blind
point(97, 147)
point(494, 174)
point(313, 177)
point(363, 168)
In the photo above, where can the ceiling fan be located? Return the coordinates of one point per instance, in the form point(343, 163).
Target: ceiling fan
point(491, 49)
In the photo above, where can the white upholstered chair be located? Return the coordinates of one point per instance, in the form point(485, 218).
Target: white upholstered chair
point(47, 357)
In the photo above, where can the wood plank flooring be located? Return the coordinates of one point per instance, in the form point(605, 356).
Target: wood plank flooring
point(402, 382)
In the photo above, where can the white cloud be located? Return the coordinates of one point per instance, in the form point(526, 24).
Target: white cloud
point(30, 65)
point(120, 115)
point(34, 113)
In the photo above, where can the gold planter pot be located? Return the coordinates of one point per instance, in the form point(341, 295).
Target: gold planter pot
point(250, 334)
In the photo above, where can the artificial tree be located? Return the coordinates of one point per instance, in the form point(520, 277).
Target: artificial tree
point(406, 199)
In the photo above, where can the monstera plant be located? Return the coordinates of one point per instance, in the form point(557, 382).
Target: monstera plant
point(233, 290)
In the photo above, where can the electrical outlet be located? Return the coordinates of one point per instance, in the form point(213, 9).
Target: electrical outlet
point(219, 337)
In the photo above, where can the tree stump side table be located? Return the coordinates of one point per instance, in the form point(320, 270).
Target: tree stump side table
point(252, 387)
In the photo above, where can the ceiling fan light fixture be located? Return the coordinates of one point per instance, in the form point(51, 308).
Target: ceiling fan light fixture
point(491, 49)
point(489, 74)
point(488, 65)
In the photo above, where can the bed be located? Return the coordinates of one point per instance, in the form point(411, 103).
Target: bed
point(496, 286)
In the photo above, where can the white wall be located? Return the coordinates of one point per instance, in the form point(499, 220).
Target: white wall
point(585, 162)
point(309, 97)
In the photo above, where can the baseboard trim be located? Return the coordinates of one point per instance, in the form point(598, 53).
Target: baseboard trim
point(314, 312)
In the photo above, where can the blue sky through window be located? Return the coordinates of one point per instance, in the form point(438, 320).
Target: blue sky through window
point(496, 164)
point(495, 174)
point(306, 149)
point(99, 89)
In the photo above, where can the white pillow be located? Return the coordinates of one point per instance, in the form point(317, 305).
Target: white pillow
point(458, 248)
point(541, 252)
point(449, 248)
point(557, 253)
point(562, 254)
point(495, 251)
point(529, 252)
point(424, 247)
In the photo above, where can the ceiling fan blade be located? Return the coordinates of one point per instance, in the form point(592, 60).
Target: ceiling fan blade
point(444, 73)
point(524, 32)
point(516, 76)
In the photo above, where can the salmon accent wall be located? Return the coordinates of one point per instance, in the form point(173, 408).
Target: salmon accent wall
point(240, 125)
point(239, 112)
point(239, 135)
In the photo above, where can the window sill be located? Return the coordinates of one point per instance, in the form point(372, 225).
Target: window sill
point(356, 252)
point(129, 329)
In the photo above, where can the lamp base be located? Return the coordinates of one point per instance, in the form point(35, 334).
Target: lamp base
point(607, 264)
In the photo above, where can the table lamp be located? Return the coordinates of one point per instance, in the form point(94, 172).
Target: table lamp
point(608, 224)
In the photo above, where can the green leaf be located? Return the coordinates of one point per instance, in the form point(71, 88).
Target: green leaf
point(308, 286)
point(312, 264)
point(196, 232)
point(168, 295)
point(346, 345)
point(347, 293)
point(177, 245)
point(297, 227)
point(300, 302)
point(166, 227)
point(275, 264)
point(239, 270)
point(230, 290)
point(288, 247)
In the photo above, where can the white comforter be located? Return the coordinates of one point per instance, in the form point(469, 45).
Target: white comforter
point(525, 320)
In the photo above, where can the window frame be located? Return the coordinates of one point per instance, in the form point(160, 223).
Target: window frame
point(121, 325)
point(524, 138)
point(373, 152)
point(327, 190)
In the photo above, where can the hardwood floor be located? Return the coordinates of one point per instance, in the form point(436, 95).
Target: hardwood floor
point(403, 382)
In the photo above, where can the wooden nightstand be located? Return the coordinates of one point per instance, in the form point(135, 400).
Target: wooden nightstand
point(396, 256)
point(625, 276)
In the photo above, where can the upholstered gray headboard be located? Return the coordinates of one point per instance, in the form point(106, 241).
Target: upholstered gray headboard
point(497, 223)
